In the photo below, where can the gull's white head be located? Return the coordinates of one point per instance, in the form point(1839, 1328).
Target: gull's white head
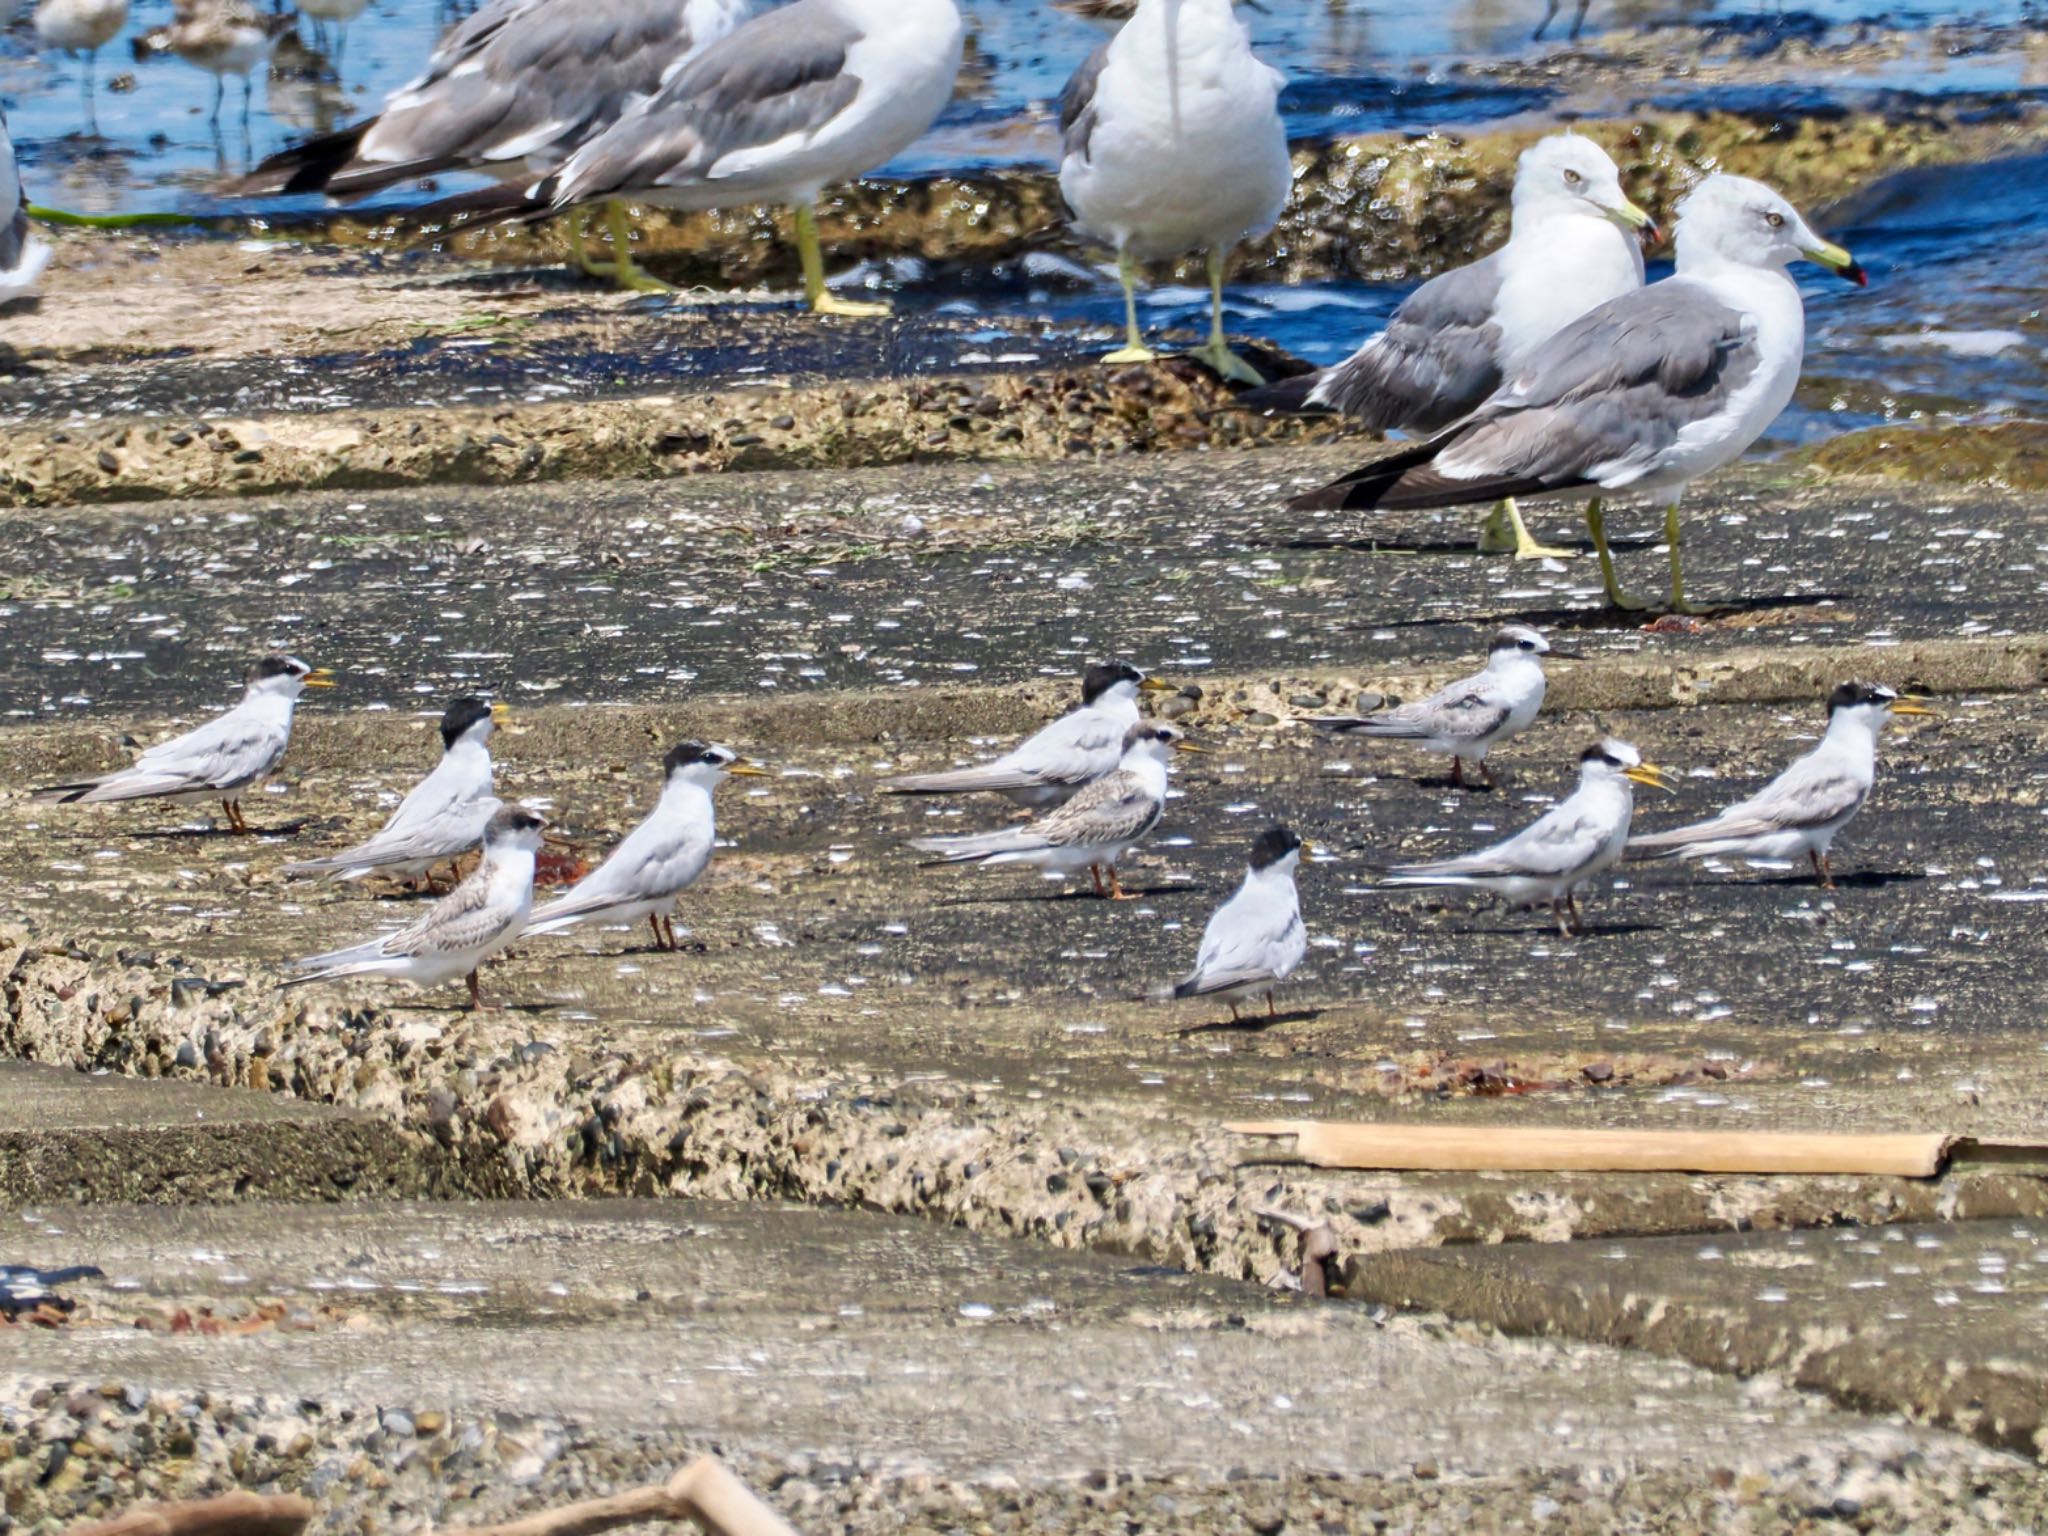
point(1155, 741)
point(1869, 706)
point(1614, 759)
point(1732, 219)
point(285, 677)
point(704, 765)
point(1568, 174)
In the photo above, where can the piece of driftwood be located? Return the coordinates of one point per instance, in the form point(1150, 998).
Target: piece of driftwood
point(232, 1514)
point(704, 1491)
point(1542, 1149)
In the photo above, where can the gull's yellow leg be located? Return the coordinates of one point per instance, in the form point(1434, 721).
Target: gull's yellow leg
point(1134, 349)
point(1216, 351)
point(807, 250)
point(1678, 602)
point(1504, 532)
point(623, 271)
point(1596, 524)
point(580, 221)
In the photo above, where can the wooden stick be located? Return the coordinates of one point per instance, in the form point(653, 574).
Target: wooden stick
point(704, 1491)
point(232, 1514)
point(1540, 1149)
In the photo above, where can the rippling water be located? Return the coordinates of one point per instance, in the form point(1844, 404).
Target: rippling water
point(1950, 325)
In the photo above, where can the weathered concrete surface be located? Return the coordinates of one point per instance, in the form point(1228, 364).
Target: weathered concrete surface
point(66, 1135)
point(1944, 1324)
point(413, 1365)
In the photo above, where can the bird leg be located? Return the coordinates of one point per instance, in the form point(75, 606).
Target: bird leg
point(1579, 20)
point(92, 106)
point(1487, 768)
point(821, 301)
point(1134, 349)
point(1272, 1011)
point(1823, 869)
point(1504, 531)
point(1549, 16)
point(654, 922)
point(476, 995)
point(1095, 874)
point(1457, 771)
point(1234, 1018)
point(220, 87)
point(1596, 524)
point(1571, 905)
point(236, 821)
point(1678, 602)
point(621, 268)
point(1116, 887)
point(1216, 351)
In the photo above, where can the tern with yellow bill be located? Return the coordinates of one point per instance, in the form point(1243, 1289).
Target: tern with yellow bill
point(222, 760)
point(445, 814)
point(1547, 862)
point(1800, 812)
point(662, 857)
point(1646, 393)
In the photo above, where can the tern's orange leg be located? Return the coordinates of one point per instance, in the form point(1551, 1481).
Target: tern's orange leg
point(1234, 1014)
point(1272, 1012)
point(1116, 887)
point(476, 994)
point(1823, 869)
point(1095, 874)
point(654, 922)
point(1457, 771)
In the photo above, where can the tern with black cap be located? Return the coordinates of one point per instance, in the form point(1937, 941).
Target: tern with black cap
point(1254, 940)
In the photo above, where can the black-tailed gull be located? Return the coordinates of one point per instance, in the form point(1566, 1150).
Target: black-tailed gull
point(1572, 245)
point(1172, 143)
point(1646, 393)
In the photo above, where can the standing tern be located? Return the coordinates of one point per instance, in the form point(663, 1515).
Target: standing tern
point(220, 760)
point(1472, 716)
point(1173, 142)
point(1547, 861)
point(1647, 393)
point(1803, 809)
point(1574, 242)
point(660, 858)
point(478, 919)
point(1074, 750)
point(1091, 831)
point(800, 98)
point(23, 255)
point(1255, 939)
point(445, 814)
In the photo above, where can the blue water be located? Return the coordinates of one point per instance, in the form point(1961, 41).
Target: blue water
point(1963, 254)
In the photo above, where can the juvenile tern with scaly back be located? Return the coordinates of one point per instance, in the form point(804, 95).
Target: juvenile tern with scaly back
point(1093, 830)
point(1468, 718)
point(802, 97)
point(1547, 861)
point(1802, 810)
point(1254, 940)
point(662, 857)
point(1074, 750)
point(221, 760)
point(1573, 243)
point(512, 90)
point(443, 816)
point(1173, 142)
point(478, 919)
point(1646, 393)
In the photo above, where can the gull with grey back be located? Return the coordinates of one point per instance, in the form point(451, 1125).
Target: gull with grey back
point(1646, 393)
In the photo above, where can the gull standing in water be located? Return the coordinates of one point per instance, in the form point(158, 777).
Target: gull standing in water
point(512, 91)
point(23, 254)
point(798, 99)
point(478, 919)
point(1573, 243)
point(1172, 143)
point(1254, 940)
point(1802, 809)
point(1646, 393)
point(225, 37)
point(220, 760)
point(1074, 750)
point(660, 858)
point(81, 27)
point(1472, 716)
point(1547, 861)
point(1092, 831)
point(445, 814)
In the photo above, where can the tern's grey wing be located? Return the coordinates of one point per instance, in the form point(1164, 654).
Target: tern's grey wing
point(463, 919)
point(1466, 716)
point(1809, 794)
point(1115, 808)
point(1251, 937)
point(657, 858)
point(1437, 360)
point(783, 73)
point(1077, 106)
point(224, 754)
point(1566, 839)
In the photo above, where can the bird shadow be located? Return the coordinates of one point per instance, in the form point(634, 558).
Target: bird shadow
point(1549, 931)
point(1256, 1024)
point(1365, 544)
point(1022, 898)
point(1596, 620)
point(1861, 880)
point(165, 834)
